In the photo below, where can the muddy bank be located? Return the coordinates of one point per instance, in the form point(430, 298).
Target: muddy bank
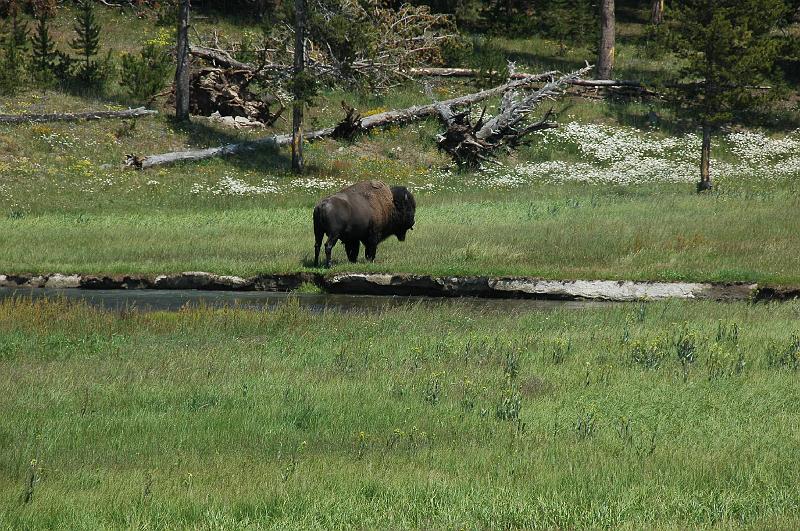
point(418, 285)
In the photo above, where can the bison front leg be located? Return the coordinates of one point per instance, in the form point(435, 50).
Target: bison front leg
point(352, 248)
point(371, 248)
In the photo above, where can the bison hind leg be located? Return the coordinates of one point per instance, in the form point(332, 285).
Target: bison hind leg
point(319, 232)
point(329, 248)
point(317, 246)
point(352, 248)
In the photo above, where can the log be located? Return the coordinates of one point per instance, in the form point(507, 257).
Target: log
point(74, 117)
point(472, 72)
point(142, 163)
point(455, 72)
point(591, 83)
point(222, 58)
point(416, 112)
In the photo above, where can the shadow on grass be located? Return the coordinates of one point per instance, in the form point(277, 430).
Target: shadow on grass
point(262, 157)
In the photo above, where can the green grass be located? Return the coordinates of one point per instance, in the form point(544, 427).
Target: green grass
point(554, 232)
point(412, 417)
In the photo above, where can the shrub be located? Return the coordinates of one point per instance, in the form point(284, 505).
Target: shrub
point(145, 73)
point(568, 22)
point(785, 356)
point(489, 61)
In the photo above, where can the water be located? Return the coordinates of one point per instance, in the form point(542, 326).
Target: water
point(173, 300)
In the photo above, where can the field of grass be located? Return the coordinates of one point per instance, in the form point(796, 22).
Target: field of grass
point(661, 415)
point(554, 232)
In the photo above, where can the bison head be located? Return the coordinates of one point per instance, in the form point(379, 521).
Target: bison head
point(404, 209)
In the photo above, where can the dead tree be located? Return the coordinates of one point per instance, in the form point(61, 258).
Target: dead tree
point(402, 38)
point(471, 144)
point(351, 126)
point(182, 69)
point(227, 92)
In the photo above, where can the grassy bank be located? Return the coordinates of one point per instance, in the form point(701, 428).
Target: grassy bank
point(556, 419)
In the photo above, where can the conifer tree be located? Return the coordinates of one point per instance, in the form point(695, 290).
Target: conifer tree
point(87, 44)
point(182, 89)
point(607, 48)
point(14, 43)
point(729, 46)
point(43, 51)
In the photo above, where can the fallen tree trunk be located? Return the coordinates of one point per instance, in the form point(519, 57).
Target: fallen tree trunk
point(457, 72)
point(74, 117)
point(356, 125)
point(223, 58)
point(228, 149)
point(472, 72)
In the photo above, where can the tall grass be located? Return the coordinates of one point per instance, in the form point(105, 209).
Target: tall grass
point(412, 417)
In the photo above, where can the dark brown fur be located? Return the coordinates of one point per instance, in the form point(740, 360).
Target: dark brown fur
point(367, 212)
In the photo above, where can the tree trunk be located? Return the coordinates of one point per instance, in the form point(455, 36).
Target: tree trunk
point(299, 63)
point(705, 160)
point(182, 70)
point(657, 12)
point(605, 59)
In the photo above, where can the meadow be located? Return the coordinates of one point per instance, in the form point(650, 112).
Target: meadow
point(592, 199)
point(609, 194)
point(660, 415)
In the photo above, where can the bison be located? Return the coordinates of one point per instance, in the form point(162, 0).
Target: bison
point(367, 212)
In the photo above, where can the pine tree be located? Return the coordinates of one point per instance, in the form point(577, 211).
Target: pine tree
point(43, 52)
point(87, 44)
point(728, 45)
point(14, 43)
